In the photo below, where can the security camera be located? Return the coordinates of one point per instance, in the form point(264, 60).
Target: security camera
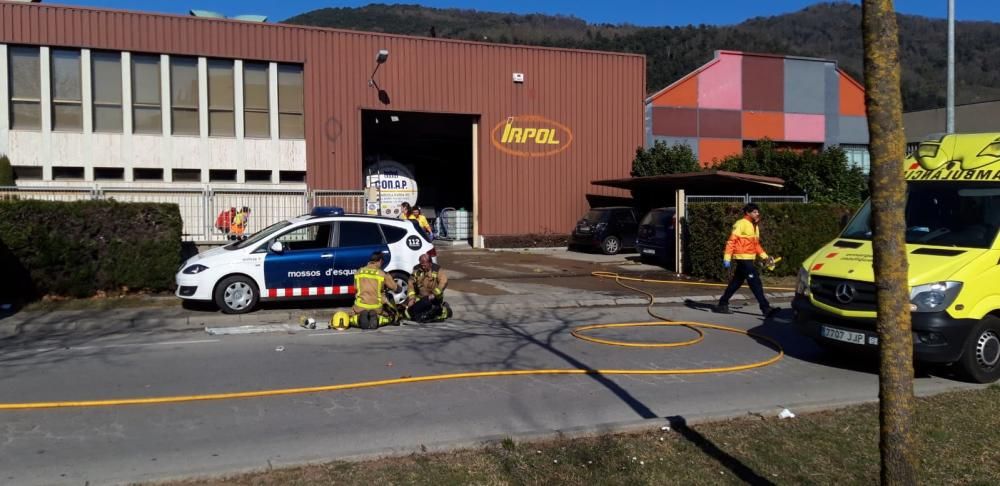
point(382, 55)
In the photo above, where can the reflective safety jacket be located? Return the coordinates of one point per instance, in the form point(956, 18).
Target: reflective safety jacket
point(426, 282)
point(369, 287)
point(744, 241)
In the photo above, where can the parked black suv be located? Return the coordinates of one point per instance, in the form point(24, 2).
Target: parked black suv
point(609, 229)
point(655, 242)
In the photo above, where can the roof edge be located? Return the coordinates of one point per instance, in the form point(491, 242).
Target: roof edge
point(280, 25)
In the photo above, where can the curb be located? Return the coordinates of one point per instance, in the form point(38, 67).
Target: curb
point(279, 321)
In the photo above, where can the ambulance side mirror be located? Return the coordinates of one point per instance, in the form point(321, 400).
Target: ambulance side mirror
point(277, 247)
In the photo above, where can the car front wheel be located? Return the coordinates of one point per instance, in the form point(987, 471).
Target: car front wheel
point(236, 295)
point(981, 359)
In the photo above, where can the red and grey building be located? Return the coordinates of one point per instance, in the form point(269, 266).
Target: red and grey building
point(738, 98)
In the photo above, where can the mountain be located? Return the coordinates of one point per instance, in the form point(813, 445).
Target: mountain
point(826, 30)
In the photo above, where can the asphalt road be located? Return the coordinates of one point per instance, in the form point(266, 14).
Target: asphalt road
point(154, 442)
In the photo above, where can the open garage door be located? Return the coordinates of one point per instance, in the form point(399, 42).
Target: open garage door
point(432, 151)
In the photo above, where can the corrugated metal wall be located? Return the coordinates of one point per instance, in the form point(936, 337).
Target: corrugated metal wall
point(599, 96)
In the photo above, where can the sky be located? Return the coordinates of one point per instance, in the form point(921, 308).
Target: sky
point(637, 12)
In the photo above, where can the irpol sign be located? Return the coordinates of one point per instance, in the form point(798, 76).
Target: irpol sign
point(389, 184)
point(531, 136)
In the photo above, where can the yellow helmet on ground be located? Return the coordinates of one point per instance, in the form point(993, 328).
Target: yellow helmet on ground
point(340, 320)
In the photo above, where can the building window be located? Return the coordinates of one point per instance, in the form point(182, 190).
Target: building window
point(186, 175)
point(147, 174)
point(857, 156)
point(109, 174)
point(67, 173)
point(221, 121)
point(67, 105)
point(27, 173)
point(257, 176)
point(184, 96)
point(25, 88)
point(222, 175)
point(291, 120)
point(146, 117)
point(256, 102)
point(106, 74)
point(292, 176)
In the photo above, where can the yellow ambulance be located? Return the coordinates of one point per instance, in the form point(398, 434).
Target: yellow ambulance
point(953, 250)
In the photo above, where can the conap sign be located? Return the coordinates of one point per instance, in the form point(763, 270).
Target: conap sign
point(388, 184)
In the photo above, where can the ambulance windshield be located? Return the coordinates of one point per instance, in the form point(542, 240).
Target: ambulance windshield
point(942, 214)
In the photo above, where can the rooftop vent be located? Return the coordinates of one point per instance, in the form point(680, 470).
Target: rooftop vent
point(208, 14)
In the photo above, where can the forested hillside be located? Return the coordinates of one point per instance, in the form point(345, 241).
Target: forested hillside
point(828, 30)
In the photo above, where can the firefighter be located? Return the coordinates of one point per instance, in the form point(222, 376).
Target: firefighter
point(425, 300)
point(742, 249)
point(371, 309)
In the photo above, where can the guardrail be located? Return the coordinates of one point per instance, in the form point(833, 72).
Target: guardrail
point(201, 208)
point(745, 198)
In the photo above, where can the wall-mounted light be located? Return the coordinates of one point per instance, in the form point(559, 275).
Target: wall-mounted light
point(380, 58)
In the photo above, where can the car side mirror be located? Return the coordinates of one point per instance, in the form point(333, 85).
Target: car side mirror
point(277, 247)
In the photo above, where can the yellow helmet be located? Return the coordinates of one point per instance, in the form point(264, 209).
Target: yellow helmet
point(340, 320)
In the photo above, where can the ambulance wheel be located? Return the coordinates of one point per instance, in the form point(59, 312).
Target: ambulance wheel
point(236, 295)
point(402, 280)
point(981, 359)
point(611, 245)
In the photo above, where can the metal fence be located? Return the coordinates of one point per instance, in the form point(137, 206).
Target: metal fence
point(201, 207)
point(745, 198)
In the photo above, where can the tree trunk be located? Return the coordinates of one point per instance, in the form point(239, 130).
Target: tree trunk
point(888, 189)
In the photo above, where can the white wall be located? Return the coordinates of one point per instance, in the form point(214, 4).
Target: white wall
point(46, 148)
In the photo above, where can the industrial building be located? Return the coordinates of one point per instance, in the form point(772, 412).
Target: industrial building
point(738, 98)
point(514, 134)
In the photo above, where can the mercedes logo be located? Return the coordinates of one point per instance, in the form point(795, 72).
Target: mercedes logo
point(844, 293)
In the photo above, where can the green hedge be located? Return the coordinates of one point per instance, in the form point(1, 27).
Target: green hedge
point(79, 248)
point(789, 230)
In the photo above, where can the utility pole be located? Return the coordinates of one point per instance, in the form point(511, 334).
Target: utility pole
point(950, 124)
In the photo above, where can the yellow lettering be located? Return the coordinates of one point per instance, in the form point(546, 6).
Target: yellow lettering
point(552, 137)
point(516, 134)
point(543, 136)
point(506, 133)
point(528, 133)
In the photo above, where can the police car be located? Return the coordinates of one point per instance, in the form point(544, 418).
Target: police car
point(312, 256)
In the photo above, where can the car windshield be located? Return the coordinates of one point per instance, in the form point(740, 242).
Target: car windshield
point(945, 214)
point(656, 217)
point(258, 236)
point(594, 215)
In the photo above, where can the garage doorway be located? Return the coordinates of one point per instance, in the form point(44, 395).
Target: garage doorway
point(437, 150)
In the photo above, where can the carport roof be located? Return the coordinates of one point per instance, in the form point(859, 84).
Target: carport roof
point(704, 182)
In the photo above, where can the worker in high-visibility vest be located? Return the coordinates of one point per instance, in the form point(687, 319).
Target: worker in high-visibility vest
point(370, 283)
point(425, 292)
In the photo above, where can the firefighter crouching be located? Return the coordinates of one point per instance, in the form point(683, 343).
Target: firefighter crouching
point(371, 309)
point(425, 300)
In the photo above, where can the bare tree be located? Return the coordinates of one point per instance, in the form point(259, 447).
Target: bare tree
point(888, 198)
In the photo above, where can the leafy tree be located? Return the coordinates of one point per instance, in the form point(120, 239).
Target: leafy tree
point(825, 176)
point(662, 158)
point(6, 172)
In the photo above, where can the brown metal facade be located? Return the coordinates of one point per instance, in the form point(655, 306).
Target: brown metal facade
point(598, 97)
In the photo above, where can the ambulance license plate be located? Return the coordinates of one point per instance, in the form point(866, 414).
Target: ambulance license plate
point(842, 335)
